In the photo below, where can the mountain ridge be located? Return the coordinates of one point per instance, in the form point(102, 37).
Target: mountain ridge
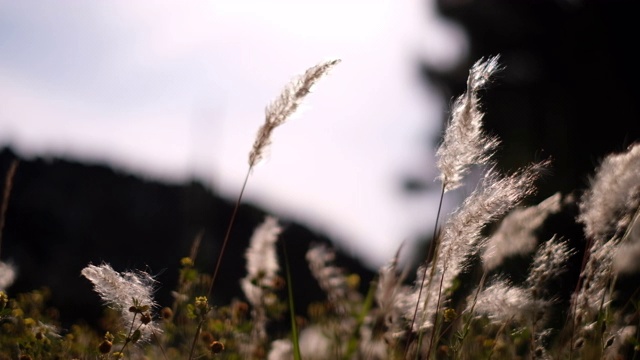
point(63, 215)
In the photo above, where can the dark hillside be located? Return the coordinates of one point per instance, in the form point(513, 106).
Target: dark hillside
point(63, 215)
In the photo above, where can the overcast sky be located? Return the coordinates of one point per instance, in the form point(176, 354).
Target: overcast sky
point(175, 90)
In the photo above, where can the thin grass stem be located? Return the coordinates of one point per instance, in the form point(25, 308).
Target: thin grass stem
point(498, 333)
point(195, 338)
point(573, 313)
point(164, 353)
point(432, 256)
point(128, 338)
point(8, 185)
point(292, 314)
point(467, 323)
point(228, 232)
point(435, 321)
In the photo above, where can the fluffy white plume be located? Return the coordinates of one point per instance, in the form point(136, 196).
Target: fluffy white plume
point(285, 105)
point(7, 275)
point(516, 234)
point(120, 290)
point(262, 270)
point(262, 260)
point(465, 143)
point(608, 207)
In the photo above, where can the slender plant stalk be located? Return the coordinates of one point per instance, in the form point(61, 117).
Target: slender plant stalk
point(128, 339)
point(585, 258)
point(228, 232)
point(276, 114)
point(464, 144)
point(574, 298)
point(433, 256)
point(292, 314)
point(220, 255)
point(195, 338)
point(164, 353)
point(435, 321)
point(8, 184)
point(467, 324)
point(366, 307)
point(192, 255)
point(500, 330)
point(635, 353)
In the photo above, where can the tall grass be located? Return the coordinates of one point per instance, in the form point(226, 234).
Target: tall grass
point(462, 304)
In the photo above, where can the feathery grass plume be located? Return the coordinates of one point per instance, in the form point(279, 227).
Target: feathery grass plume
point(276, 114)
point(314, 345)
point(383, 325)
point(419, 307)
point(510, 306)
point(549, 262)
point(621, 342)
point(262, 274)
point(626, 258)
point(7, 275)
point(389, 290)
point(345, 300)
point(42, 330)
point(529, 304)
point(591, 317)
point(122, 291)
point(497, 195)
point(596, 275)
point(285, 105)
point(465, 143)
point(331, 279)
point(262, 260)
point(516, 233)
point(502, 301)
point(607, 209)
point(280, 349)
point(371, 345)
point(462, 235)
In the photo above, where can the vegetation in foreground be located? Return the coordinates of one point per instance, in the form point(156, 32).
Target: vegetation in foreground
point(461, 305)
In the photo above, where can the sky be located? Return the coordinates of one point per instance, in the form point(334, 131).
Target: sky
point(174, 92)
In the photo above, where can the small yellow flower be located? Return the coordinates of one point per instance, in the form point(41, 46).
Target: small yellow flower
point(186, 262)
point(18, 313)
point(202, 304)
point(450, 314)
point(4, 300)
point(353, 281)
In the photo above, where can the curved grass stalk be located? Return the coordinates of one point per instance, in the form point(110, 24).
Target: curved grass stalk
point(276, 114)
point(433, 257)
point(8, 185)
point(292, 315)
